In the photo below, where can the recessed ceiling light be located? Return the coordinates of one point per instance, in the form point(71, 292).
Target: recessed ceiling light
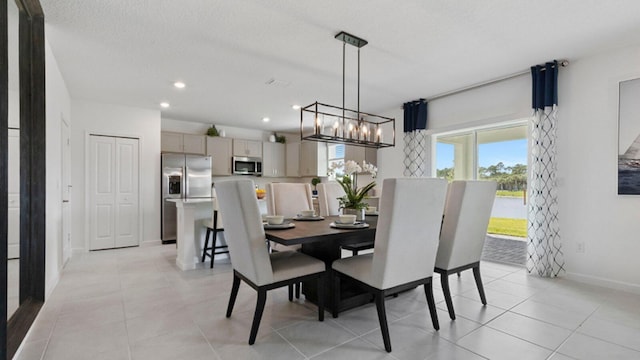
point(179, 84)
point(164, 105)
point(265, 119)
point(295, 107)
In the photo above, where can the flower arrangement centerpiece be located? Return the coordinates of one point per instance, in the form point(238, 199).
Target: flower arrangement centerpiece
point(353, 200)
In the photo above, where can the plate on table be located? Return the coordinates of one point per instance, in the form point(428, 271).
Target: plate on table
point(308, 218)
point(286, 225)
point(356, 225)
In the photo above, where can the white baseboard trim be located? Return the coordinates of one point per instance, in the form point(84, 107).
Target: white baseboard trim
point(608, 283)
point(78, 251)
point(51, 285)
point(151, 243)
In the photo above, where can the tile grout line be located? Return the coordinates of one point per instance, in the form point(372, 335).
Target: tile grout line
point(124, 311)
point(591, 336)
point(208, 342)
point(290, 344)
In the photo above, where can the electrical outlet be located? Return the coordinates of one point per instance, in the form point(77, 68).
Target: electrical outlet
point(580, 247)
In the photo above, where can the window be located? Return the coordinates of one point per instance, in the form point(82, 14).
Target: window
point(496, 153)
point(489, 153)
point(335, 155)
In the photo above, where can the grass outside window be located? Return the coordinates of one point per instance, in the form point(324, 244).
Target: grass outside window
point(510, 227)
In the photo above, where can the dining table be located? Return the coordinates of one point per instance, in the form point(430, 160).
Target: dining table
point(320, 240)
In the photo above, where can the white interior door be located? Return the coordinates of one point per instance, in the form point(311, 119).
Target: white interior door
point(126, 192)
point(13, 191)
point(65, 184)
point(114, 192)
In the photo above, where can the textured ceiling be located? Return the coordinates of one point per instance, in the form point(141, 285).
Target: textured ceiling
point(130, 52)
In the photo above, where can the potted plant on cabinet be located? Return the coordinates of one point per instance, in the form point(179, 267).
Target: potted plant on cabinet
point(315, 181)
point(212, 131)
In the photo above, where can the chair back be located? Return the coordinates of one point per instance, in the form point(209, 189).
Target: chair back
point(328, 194)
point(216, 207)
point(288, 199)
point(244, 231)
point(466, 218)
point(409, 220)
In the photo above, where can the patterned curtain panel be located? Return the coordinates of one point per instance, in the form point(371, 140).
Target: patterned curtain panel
point(415, 138)
point(544, 249)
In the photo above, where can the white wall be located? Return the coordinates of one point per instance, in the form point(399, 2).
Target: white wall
point(501, 102)
point(591, 212)
point(190, 127)
point(114, 120)
point(58, 106)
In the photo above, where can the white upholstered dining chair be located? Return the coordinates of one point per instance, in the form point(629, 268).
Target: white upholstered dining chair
point(288, 199)
point(406, 243)
point(464, 230)
point(328, 194)
point(250, 259)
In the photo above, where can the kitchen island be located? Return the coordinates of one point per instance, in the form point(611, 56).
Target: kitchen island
point(190, 230)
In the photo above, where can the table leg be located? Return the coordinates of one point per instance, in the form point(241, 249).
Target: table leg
point(351, 295)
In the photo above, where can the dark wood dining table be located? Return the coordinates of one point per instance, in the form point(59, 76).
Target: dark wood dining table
point(320, 240)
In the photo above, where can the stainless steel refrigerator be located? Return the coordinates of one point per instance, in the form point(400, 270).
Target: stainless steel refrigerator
point(183, 176)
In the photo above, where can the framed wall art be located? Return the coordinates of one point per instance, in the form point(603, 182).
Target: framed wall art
point(629, 138)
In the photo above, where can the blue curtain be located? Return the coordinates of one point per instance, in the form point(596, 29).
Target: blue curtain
point(545, 85)
point(416, 141)
point(415, 115)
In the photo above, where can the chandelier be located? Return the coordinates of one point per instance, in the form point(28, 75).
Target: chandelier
point(333, 124)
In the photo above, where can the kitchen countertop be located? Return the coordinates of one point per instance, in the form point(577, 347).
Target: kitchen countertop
point(192, 201)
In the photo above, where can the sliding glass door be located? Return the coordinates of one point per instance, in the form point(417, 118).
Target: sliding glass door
point(491, 153)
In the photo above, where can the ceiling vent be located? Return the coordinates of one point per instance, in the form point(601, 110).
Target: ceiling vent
point(278, 83)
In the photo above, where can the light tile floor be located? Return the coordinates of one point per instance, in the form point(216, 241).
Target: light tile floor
point(13, 285)
point(134, 304)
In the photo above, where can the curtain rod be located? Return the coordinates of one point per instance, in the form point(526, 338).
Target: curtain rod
point(562, 63)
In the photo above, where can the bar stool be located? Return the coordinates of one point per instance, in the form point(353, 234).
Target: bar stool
point(213, 227)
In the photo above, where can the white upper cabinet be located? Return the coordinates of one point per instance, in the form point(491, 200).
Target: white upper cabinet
point(273, 160)
point(220, 150)
point(249, 148)
point(313, 158)
point(292, 157)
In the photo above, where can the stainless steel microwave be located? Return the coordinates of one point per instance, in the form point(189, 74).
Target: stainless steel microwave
point(247, 166)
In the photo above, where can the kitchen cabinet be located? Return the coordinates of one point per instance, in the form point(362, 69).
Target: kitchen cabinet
point(249, 148)
point(313, 158)
point(195, 144)
point(183, 143)
point(292, 159)
point(273, 160)
point(171, 142)
point(360, 153)
point(220, 150)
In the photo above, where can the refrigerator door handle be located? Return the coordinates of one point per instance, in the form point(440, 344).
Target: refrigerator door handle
point(185, 182)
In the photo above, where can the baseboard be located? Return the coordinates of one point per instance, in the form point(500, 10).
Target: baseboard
point(151, 243)
point(608, 283)
point(78, 251)
point(51, 285)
